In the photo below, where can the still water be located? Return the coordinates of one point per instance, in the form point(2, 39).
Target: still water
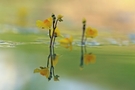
point(17, 65)
point(18, 75)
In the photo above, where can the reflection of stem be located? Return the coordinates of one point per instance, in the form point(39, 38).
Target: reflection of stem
point(85, 45)
point(48, 60)
point(53, 71)
point(49, 54)
point(81, 61)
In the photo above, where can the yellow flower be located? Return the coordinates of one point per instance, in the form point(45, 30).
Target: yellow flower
point(91, 32)
point(44, 24)
point(40, 24)
point(55, 59)
point(89, 58)
point(43, 71)
point(56, 78)
point(59, 17)
point(57, 32)
point(67, 42)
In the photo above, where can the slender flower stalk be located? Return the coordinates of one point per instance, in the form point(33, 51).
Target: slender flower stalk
point(85, 45)
point(51, 25)
point(52, 47)
point(52, 42)
point(86, 33)
point(82, 42)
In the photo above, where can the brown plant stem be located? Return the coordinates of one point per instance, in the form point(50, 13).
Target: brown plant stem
point(54, 44)
point(52, 41)
point(85, 45)
point(82, 43)
point(48, 60)
point(50, 33)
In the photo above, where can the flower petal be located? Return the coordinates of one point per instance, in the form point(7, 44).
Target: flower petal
point(55, 60)
point(91, 32)
point(40, 24)
point(45, 72)
point(36, 70)
point(89, 58)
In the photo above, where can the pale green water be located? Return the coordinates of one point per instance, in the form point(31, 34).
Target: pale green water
point(112, 71)
point(17, 74)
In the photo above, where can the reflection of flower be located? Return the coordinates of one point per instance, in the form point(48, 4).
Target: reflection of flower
point(43, 71)
point(44, 24)
point(56, 78)
point(91, 32)
point(55, 59)
point(67, 42)
point(89, 58)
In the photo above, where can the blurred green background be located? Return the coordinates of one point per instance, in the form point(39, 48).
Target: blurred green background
point(24, 47)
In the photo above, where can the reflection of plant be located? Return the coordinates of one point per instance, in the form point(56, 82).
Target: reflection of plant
point(89, 58)
point(67, 42)
point(86, 33)
point(43, 71)
point(51, 24)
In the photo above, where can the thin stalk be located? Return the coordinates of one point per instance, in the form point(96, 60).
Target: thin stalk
point(82, 43)
point(53, 71)
point(48, 60)
point(52, 41)
point(56, 24)
point(54, 44)
point(85, 45)
point(50, 33)
point(51, 50)
point(49, 54)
